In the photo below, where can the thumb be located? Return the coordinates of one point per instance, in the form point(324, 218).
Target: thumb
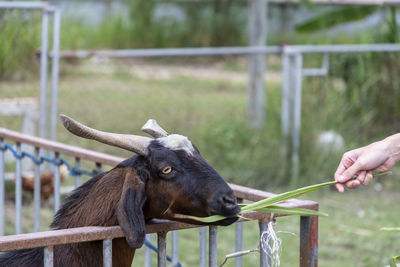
point(350, 172)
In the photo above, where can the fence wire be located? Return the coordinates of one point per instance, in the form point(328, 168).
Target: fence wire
point(74, 171)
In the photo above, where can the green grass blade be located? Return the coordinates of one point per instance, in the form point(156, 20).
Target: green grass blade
point(291, 211)
point(209, 219)
point(294, 194)
point(285, 196)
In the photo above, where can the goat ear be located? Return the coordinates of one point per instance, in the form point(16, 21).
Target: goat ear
point(129, 209)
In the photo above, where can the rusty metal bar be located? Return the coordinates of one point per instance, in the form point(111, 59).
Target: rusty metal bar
point(212, 246)
point(60, 148)
point(107, 253)
point(162, 249)
point(308, 241)
point(36, 193)
point(48, 257)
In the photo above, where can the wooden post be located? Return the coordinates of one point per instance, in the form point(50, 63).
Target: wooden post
point(257, 37)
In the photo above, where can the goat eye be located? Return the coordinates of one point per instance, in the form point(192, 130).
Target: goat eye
point(167, 170)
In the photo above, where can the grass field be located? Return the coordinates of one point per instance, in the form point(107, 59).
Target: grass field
point(211, 109)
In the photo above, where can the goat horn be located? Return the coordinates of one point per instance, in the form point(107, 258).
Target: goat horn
point(134, 143)
point(152, 128)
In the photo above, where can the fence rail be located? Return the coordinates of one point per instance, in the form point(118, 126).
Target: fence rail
point(48, 239)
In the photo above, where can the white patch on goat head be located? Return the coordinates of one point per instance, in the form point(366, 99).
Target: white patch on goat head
point(177, 142)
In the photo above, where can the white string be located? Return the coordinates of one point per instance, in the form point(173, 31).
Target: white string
point(271, 245)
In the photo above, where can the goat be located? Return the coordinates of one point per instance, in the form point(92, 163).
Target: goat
point(46, 181)
point(167, 177)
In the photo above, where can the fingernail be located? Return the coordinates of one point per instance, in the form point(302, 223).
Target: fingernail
point(341, 178)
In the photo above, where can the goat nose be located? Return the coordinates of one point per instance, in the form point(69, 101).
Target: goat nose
point(228, 200)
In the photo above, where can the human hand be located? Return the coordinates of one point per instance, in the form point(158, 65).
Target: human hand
point(362, 162)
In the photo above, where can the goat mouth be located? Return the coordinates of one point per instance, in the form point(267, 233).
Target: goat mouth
point(227, 212)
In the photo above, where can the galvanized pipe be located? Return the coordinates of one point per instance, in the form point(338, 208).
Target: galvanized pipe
point(168, 52)
point(18, 191)
point(43, 75)
point(54, 73)
point(297, 87)
point(265, 259)
point(78, 179)
point(239, 240)
point(203, 246)
point(323, 71)
point(345, 48)
point(2, 190)
point(107, 253)
point(245, 50)
point(57, 183)
point(212, 246)
point(48, 257)
point(285, 105)
point(162, 249)
point(147, 252)
point(36, 193)
point(174, 248)
point(257, 32)
point(23, 5)
point(98, 167)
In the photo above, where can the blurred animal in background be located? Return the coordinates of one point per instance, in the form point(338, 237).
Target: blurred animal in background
point(46, 181)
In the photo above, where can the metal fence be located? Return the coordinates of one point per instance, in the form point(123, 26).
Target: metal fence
point(10, 140)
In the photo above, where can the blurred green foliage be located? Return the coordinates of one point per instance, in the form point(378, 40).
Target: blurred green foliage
point(19, 41)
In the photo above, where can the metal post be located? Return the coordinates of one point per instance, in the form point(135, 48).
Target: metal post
point(147, 253)
point(107, 253)
point(43, 75)
point(212, 246)
point(56, 183)
point(308, 241)
point(162, 249)
point(98, 167)
point(174, 246)
point(48, 257)
point(265, 259)
point(298, 78)
point(36, 193)
point(285, 105)
point(54, 72)
point(239, 240)
point(2, 191)
point(257, 37)
point(78, 180)
point(203, 246)
point(18, 192)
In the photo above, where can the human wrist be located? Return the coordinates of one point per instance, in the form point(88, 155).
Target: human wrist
point(392, 145)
